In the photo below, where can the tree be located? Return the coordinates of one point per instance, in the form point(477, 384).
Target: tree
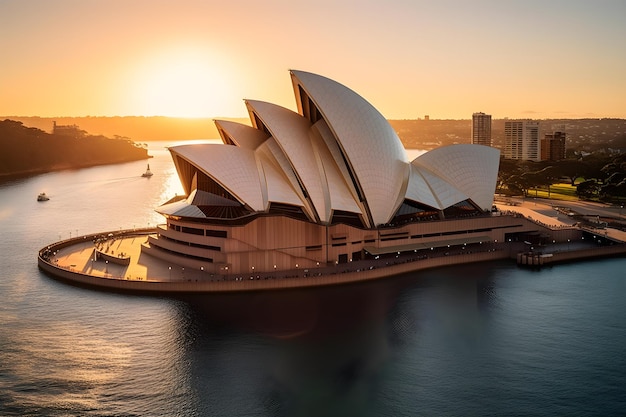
point(614, 186)
point(587, 189)
point(572, 169)
point(508, 168)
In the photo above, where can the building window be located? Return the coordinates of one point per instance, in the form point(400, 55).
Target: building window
point(192, 230)
point(216, 233)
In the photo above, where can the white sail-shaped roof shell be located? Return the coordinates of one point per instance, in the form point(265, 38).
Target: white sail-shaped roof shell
point(234, 168)
point(471, 168)
point(339, 194)
point(291, 132)
point(419, 190)
point(279, 189)
point(239, 134)
point(445, 193)
point(370, 145)
point(188, 207)
point(181, 208)
point(343, 192)
point(270, 152)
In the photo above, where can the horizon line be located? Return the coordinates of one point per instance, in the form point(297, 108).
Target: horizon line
point(4, 117)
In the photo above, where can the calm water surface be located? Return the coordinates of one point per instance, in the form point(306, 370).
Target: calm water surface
point(488, 339)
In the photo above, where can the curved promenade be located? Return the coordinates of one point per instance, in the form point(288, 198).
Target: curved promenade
point(75, 261)
point(114, 261)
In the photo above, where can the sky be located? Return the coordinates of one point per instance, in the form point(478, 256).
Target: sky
point(409, 58)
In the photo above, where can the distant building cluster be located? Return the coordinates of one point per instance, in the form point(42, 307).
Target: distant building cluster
point(553, 146)
point(66, 130)
point(522, 139)
point(481, 129)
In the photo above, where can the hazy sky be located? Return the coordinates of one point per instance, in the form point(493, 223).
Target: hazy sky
point(409, 58)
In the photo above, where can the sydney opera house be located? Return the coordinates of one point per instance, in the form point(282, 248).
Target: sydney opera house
point(326, 185)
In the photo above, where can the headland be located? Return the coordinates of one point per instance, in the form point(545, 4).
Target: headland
point(28, 151)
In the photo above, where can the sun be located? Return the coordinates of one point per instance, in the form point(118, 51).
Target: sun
point(180, 84)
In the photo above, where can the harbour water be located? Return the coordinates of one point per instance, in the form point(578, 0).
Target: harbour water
point(484, 339)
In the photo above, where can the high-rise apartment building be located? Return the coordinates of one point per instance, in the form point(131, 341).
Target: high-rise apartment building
point(481, 129)
point(553, 146)
point(521, 140)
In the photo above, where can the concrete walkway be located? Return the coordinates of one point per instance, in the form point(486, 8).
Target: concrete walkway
point(80, 258)
point(545, 211)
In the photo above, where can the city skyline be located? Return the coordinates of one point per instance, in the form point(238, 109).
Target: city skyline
point(537, 60)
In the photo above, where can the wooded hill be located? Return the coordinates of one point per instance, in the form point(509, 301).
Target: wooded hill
point(28, 150)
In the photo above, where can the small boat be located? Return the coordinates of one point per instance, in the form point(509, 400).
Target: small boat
point(42, 197)
point(148, 173)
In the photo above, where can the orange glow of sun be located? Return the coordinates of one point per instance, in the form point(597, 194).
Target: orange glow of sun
point(182, 83)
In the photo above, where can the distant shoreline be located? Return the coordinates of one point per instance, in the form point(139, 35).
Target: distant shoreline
point(7, 176)
point(414, 133)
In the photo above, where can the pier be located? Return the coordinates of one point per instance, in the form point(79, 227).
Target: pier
point(538, 260)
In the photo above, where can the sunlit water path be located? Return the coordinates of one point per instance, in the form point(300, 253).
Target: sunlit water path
point(488, 339)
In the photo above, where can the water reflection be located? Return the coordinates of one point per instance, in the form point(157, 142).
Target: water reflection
point(328, 351)
point(99, 355)
point(295, 352)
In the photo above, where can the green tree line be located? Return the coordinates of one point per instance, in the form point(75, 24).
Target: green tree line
point(599, 177)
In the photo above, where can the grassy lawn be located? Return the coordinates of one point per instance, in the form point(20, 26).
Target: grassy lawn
point(561, 191)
